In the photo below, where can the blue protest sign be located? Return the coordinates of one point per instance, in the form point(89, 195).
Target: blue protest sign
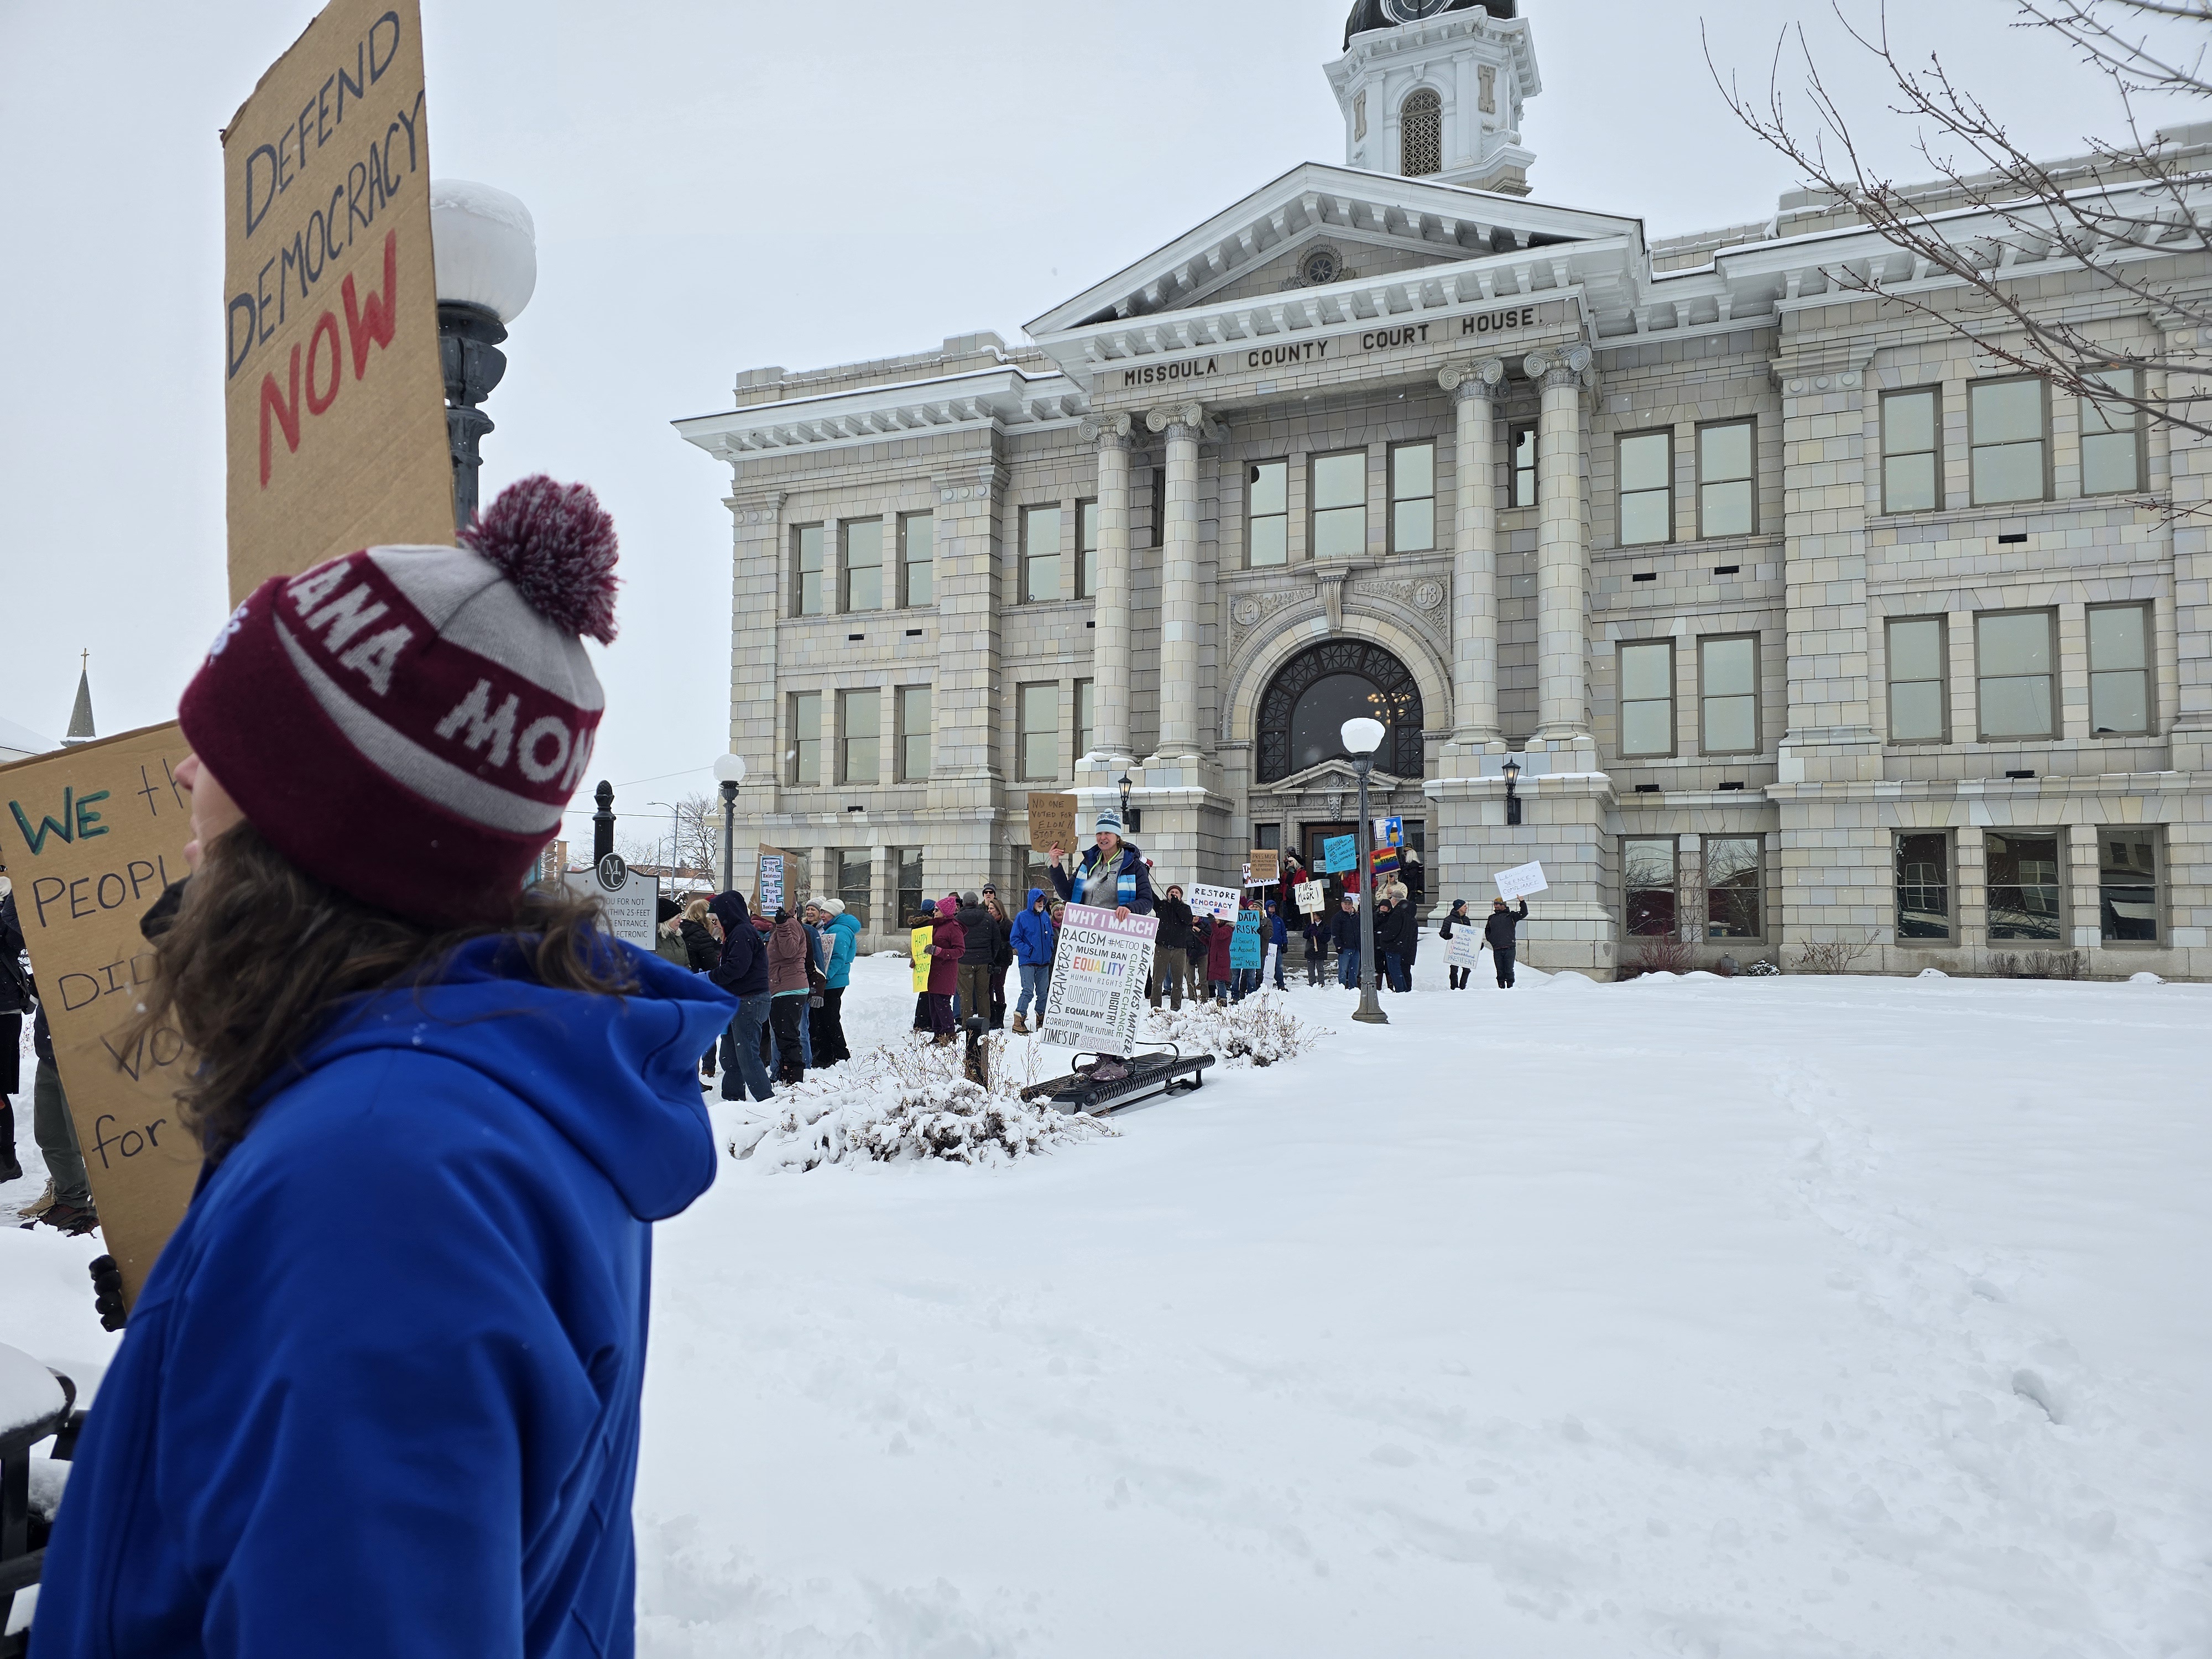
point(1340, 853)
point(1246, 949)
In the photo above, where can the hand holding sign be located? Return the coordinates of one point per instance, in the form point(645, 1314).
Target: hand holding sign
point(1521, 881)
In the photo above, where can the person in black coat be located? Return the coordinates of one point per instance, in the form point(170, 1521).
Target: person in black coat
point(976, 961)
point(1171, 948)
point(1452, 923)
point(1393, 936)
point(743, 972)
point(15, 1003)
point(1500, 930)
point(1347, 943)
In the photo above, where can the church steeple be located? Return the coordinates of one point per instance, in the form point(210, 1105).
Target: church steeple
point(80, 725)
point(1434, 89)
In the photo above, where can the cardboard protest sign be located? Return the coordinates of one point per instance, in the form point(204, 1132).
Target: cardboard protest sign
point(1247, 949)
point(1266, 868)
point(1521, 881)
point(1098, 980)
point(91, 837)
point(1340, 853)
point(1219, 902)
point(768, 881)
point(1051, 823)
point(333, 396)
point(917, 946)
point(1312, 897)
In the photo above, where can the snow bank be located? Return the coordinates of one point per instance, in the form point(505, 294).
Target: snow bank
point(1261, 1030)
point(28, 1391)
point(907, 1101)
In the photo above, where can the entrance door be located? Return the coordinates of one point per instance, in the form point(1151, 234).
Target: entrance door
point(1312, 836)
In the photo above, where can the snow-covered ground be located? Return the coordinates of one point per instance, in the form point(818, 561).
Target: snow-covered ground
point(1798, 1318)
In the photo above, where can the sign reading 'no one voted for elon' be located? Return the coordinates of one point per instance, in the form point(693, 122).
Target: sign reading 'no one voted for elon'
point(334, 400)
point(91, 836)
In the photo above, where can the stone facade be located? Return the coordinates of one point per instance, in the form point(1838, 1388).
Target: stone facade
point(1703, 704)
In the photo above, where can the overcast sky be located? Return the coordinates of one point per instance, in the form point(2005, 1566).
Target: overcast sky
point(718, 184)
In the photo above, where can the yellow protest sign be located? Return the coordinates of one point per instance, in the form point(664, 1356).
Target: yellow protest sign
point(918, 944)
point(333, 396)
point(92, 837)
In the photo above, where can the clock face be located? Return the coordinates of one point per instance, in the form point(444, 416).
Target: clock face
point(1413, 11)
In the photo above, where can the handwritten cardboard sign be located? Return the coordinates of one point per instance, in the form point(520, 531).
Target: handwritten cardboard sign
point(918, 942)
point(91, 836)
point(1247, 947)
point(1051, 823)
point(1521, 881)
point(1267, 866)
point(1312, 897)
point(334, 401)
point(1340, 854)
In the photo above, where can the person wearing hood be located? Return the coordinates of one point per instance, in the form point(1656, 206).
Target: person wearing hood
point(1112, 876)
point(379, 1392)
point(841, 934)
point(743, 972)
point(948, 944)
point(1034, 941)
point(1452, 923)
point(1279, 943)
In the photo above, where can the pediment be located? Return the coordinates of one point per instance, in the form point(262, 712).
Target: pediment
point(1333, 777)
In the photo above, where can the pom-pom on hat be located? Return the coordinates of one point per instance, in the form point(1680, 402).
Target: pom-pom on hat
point(406, 723)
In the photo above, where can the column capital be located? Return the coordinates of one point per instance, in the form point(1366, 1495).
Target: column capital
point(1570, 366)
point(1188, 422)
point(1468, 381)
point(1110, 431)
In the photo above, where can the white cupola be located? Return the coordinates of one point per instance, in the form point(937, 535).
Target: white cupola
point(1433, 89)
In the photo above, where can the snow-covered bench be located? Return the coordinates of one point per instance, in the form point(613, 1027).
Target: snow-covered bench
point(1107, 1083)
point(36, 1404)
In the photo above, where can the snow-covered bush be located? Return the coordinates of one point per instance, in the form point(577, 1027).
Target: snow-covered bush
point(906, 1100)
point(1257, 1032)
point(1761, 970)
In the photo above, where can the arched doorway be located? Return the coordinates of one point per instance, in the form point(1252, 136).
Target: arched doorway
point(1311, 696)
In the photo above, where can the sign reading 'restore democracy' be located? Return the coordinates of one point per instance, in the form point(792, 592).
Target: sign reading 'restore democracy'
point(92, 837)
point(1220, 902)
point(1283, 352)
point(1098, 980)
point(334, 398)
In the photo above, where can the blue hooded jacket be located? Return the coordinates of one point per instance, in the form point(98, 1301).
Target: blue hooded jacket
point(379, 1394)
point(1033, 933)
point(842, 935)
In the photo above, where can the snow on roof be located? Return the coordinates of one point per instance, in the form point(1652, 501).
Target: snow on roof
point(23, 740)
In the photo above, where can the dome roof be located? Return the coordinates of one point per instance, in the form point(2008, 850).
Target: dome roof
point(1388, 13)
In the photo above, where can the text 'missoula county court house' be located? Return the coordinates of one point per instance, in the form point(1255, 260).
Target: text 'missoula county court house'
point(1804, 619)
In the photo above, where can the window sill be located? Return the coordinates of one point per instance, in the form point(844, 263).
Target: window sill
point(1999, 510)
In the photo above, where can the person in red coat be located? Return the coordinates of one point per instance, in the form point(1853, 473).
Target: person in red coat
point(948, 940)
point(1216, 959)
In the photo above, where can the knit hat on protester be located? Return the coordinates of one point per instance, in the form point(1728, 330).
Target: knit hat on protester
point(406, 723)
point(1109, 823)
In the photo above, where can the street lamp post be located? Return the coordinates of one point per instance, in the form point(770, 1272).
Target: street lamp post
point(675, 833)
point(729, 772)
point(486, 251)
point(1362, 738)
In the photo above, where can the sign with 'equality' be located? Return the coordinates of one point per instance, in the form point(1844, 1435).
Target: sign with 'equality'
point(1098, 980)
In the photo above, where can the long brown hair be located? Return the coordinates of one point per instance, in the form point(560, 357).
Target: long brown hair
point(260, 956)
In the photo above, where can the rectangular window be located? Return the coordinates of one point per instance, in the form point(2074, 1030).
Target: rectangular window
point(1524, 465)
point(1647, 877)
point(2119, 670)
point(914, 720)
point(2023, 883)
point(806, 737)
point(1923, 887)
point(918, 559)
point(1728, 502)
point(908, 862)
point(2009, 433)
point(860, 728)
point(1911, 450)
point(1267, 513)
point(2111, 438)
point(1730, 693)
point(1734, 895)
point(864, 565)
point(1414, 498)
point(1085, 730)
point(1086, 550)
point(1268, 838)
point(1919, 710)
point(1159, 507)
point(2012, 657)
point(2127, 881)
point(1647, 489)
point(1338, 489)
point(1038, 717)
point(808, 599)
point(1647, 698)
point(856, 873)
point(1040, 554)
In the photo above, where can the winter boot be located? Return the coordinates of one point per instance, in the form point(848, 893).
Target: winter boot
point(29, 1214)
point(1021, 1026)
point(71, 1220)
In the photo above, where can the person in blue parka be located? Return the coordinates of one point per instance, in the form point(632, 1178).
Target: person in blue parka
point(378, 1394)
point(1036, 940)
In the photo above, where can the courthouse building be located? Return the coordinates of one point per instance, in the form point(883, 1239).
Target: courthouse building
point(1804, 619)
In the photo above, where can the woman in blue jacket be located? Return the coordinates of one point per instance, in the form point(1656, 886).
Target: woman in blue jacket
point(378, 1394)
point(1034, 940)
point(841, 936)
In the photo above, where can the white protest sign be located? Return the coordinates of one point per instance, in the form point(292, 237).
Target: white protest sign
point(1219, 902)
point(1098, 980)
point(626, 902)
point(1520, 882)
point(1466, 946)
point(771, 883)
point(1312, 897)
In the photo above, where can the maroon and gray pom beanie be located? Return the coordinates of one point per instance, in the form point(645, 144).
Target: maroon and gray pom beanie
point(406, 723)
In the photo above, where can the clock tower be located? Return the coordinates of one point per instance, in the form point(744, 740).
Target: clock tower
point(1434, 89)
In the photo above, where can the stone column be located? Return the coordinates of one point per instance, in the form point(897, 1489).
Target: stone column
point(965, 777)
point(1110, 682)
point(1474, 394)
point(1184, 427)
point(1563, 553)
